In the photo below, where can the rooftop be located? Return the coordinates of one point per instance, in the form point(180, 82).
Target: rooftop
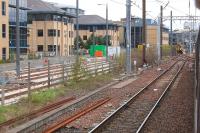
point(93, 20)
point(39, 6)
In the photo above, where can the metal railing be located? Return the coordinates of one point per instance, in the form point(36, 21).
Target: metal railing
point(35, 79)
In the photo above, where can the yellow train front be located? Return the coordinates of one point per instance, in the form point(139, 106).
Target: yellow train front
point(179, 49)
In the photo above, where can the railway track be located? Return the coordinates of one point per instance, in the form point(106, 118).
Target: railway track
point(77, 115)
point(132, 116)
point(122, 93)
point(62, 128)
point(39, 79)
point(36, 113)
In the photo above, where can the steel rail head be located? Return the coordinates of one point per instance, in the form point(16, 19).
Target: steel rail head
point(159, 100)
point(54, 81)
point(34, 113)
point(38, 125)
point(77, 115)
point(100, 125)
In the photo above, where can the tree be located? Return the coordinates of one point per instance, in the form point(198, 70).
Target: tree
point(90, 41)
point(109, 40)
point(98, 41)
point(81, 43)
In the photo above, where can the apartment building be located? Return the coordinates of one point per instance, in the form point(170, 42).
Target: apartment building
point(151, 32)
point(183, 36)
point(50, 29)
point(22, 25)
point(94, 24)
point(4, 30)
point(152, 35)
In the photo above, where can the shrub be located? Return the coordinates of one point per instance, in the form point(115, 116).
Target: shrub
point(2, 116)
point(45, 96)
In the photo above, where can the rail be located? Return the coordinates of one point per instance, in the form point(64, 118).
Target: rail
point(37, 112)
point(39, 125)
point(159, 100)
point(44, 78)
point(76, 116)
point(104, 122)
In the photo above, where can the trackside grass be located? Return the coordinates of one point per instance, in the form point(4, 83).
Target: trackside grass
point(42, 98)
point(24, 106)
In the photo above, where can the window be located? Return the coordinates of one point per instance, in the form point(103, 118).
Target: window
point(51, 32)
point(92, 29)
point(58, 33)
point(4, 30)
point(4, 51)
point(3, 8)
point(71, 34)
point(65, 20)
point(84, 37)
point(51, 48)
point(4, 54)
point(57, 18)
point(40, 48)
point(40, 33)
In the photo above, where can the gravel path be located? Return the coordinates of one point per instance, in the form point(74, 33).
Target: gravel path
point(175, 114)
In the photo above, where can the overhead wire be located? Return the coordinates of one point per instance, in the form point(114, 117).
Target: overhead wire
point(117, 2)
point(166, 5)
point(180, 11)
point(133, 3)
point(159, 1)
point(136, 5)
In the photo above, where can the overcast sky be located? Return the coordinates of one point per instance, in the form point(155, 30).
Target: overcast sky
point(117, 8)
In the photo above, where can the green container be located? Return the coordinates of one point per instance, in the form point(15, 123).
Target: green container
point(94, 48)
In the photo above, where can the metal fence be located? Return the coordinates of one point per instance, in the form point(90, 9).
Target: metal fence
point(35, 63)
point(34, 79)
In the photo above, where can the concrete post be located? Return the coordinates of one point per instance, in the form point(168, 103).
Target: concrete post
point(63, 72)
point(2, 95)
point(29, 81)
point(49, 74)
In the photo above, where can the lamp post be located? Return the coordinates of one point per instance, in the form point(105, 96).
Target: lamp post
point(106, 29)
point(128, 37)
point(77, 27)
point(17, 40)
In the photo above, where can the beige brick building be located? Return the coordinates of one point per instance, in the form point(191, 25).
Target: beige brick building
point(4, 30)
point(152, 35)
point(151, 32)
point(93, 24)
point(50, 29)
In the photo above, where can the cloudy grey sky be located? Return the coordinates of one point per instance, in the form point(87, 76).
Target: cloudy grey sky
point(117, 8)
